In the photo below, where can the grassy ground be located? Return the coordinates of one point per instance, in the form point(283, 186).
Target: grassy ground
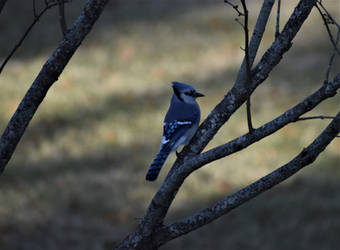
point(76, 180)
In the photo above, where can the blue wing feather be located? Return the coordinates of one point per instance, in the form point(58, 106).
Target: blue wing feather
point(172, 131)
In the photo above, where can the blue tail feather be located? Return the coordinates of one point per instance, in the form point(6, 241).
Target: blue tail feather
point(156, 165)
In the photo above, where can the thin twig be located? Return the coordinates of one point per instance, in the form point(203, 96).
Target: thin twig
point(322, 117)
point(248, 70)
point(255, 40)
point(328, 21)
point(240, 23)
point(277, 32)
point(62, 19)
point(333, 21)
point(235, 8)
point(331, 60)
point(34, 9)
point(36, 19)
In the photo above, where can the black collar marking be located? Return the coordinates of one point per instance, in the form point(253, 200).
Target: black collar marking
point(178, 94)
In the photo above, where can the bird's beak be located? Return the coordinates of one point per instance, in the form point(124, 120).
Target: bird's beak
point(198, 95)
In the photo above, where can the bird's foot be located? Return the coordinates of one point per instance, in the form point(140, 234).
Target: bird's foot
point(177, 154)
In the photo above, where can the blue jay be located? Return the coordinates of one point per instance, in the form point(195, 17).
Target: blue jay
point(180, 125)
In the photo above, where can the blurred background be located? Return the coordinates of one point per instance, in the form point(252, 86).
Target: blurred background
point(76, 180)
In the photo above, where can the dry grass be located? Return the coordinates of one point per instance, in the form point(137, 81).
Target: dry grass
point(76, 180)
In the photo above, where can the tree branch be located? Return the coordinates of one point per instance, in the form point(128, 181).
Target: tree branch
point(327, 19)
point(62, 19)
point(238, 95)
point(162, 200)
point(306, 157)
point(291, 115)
point(177, 176)
point(329, 16)
point(36, 19)
point(34, 9)
point(277, 28)
point(248, 70)
point(235, 8)
point(331, 60)
point(255, 40)
point(47, 76)
point(322, 117)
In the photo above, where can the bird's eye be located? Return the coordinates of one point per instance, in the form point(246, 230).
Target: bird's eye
point(189, 93)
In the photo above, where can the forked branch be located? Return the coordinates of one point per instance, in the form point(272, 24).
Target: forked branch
point(328, 20)
point(37, 16)
point(307, 156)
point(240, 143)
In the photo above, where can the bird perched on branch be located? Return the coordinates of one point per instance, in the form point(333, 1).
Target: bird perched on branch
point(180, 125)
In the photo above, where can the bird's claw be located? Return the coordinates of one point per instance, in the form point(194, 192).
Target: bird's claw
point(177, 154)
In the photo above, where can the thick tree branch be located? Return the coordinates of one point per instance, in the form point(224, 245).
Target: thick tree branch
point(306, 157)
point(47, 76)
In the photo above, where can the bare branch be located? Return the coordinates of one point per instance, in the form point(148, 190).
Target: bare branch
point(34, 9)
point(255, 41)
point(47, 76)
point(239, 22)
point(36, 19)
point(235, 8)
point(322, 117)
point(162, 200)
point(306, 157)
point(177, 175)
point(277, 29)
point(248, 70)
point(331, 60)
point(327, 19)
point(62, 19)
point(238, 94)
point(327, 14)
point(291, 115)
